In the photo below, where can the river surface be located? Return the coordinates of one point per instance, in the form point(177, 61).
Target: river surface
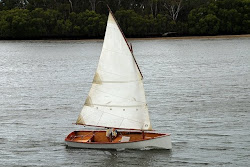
point(197, 89)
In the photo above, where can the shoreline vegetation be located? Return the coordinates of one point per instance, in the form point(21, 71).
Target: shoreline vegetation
point(86, 19)
point(148, 38)
point(195, 37)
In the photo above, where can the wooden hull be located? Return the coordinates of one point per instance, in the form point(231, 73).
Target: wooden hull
point(98, 140)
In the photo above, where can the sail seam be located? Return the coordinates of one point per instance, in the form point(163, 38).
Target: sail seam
point(118, 96)
point(100, 116)
point(117, 105)
point(115, 116)
point(115, 74)
point(104, 48)
point(121, 123)
point(120, 81)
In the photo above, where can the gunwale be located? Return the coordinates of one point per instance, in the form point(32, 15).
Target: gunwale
point(138, 133)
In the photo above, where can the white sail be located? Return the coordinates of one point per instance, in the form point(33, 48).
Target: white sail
point(116, 98)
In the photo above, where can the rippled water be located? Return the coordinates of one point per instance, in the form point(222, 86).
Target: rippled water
point(197, 89)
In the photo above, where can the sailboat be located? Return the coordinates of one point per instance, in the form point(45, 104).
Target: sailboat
point(116, 101)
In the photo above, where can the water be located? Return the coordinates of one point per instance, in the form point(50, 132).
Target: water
point(197, 89)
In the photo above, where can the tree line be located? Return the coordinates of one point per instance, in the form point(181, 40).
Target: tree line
point(30, 19)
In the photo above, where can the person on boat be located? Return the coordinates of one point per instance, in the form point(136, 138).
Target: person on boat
point(108, 132)
point(114, 133)
point(111, 134)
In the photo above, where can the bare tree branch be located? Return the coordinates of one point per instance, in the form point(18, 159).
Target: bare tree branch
point(93, 4)
point(71, 5)
point(173, 7)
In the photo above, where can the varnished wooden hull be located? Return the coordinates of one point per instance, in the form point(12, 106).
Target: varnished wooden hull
point(98, 140)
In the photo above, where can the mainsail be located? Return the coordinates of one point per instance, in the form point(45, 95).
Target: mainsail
point(116, 98)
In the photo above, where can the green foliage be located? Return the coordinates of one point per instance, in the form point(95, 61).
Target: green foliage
point(60, 18)
point(88, 23)
point(22, 23)
point(134, 24)
point(14, 22)
point(220, 17)
point(131, 23)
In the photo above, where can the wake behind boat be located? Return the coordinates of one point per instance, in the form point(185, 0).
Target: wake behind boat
point(117, 101)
